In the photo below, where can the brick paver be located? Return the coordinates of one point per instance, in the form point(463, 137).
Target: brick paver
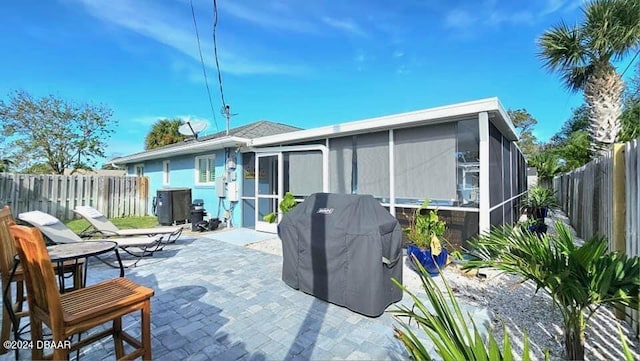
point(221, 301)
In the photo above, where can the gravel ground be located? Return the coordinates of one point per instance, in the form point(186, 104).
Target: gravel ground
point(516, 305)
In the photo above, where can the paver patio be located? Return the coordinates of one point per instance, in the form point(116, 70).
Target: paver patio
point(216, 300)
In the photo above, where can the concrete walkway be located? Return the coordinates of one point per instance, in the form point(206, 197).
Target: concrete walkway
point(216, 300)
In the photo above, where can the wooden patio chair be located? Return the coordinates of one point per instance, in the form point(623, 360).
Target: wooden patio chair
point(7, 256)
point(77, 311)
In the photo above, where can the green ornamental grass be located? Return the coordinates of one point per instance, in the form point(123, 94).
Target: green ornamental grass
point(454, 334)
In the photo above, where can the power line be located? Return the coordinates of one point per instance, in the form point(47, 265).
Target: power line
point(631, 62)
point(215, 50)
point(204, 70)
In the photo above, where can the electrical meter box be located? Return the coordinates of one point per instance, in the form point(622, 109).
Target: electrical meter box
point(232, 191)
point(220, 188)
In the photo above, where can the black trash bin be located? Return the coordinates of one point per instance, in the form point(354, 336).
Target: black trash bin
point(197, 214)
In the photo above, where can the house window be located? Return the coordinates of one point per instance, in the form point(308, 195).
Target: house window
point(139, 169)
point(205, 169)
point(165, 172)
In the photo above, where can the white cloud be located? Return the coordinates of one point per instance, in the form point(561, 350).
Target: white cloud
point(360, 60)
point(493, 13)
point(276, 16)
point(498, 18)
point(189, 71)
point(552, 6)
point(402, 70)
point(146, 120)
point(346, 25)
point(459, 19)
point(164, 26)
point(398, 54)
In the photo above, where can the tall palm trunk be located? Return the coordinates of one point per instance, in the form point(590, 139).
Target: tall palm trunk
point(574, 326)
point(603, 95)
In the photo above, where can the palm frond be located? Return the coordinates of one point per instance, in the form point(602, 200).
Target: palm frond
point(576, 78)
point(454, 334)
point(612, 28)
point(562, 48)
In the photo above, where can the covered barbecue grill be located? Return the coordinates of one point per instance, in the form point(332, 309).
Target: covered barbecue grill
point(343, 249)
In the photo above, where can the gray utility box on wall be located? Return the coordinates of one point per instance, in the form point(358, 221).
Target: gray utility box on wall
point(344, 249)
point(173, 205)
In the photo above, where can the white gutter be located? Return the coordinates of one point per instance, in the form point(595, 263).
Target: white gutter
point(454, 111)
point(189, 147)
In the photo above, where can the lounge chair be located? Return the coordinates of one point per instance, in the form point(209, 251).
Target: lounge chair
point(58, 232)
point(103, 226)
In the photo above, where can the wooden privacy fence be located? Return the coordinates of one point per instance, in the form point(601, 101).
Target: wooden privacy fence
point(603, 198)
point(586, 195)
point(59, 194)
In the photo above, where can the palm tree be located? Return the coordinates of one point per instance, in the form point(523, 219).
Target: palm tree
point(163, 132)
point(579, 279)
point(547, 164)
point(583, 56)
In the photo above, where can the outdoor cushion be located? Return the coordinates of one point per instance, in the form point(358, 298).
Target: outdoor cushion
point(89, 211)
point(38, 218)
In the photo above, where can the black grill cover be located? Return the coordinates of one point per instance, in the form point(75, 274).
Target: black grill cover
point(344, 249)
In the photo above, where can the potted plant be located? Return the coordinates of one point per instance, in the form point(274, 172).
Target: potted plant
point(288, 202)
point(425, 232)
point(538, 202)
point(534, 225)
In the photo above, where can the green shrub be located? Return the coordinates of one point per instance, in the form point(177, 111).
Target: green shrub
point(579, 279)
point(448, 328)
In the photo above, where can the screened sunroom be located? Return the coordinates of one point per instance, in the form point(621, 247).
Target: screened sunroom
point(462, 157)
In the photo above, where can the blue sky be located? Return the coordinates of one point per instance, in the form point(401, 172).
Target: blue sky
point(304, 63)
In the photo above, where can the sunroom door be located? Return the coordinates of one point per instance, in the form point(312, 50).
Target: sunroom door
point(268, 189)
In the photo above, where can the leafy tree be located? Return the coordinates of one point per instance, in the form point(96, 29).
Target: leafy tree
point(163, 132)
point(579, 121)
point(38, 168)
point(524, 123)
point(5, 165)
point(630, 118)
point(583, 56)
point(109, 166)
point(576, 151)
point(547, 164)
point(572, 143)
point(54, 132)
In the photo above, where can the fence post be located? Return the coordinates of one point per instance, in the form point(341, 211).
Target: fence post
point(619, 207)
point(619, 198)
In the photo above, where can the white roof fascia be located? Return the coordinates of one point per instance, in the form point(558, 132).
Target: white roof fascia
point(393, 121)
point(190, 147)
point(507, 121)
